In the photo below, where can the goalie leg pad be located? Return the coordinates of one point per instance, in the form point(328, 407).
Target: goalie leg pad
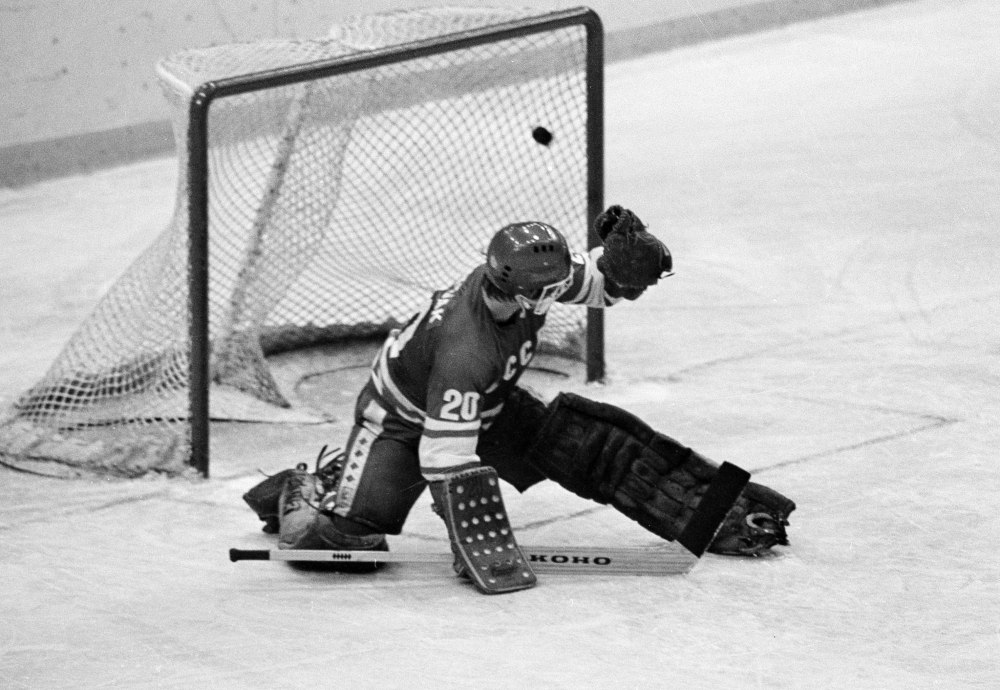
point(480, 532)
point(307, 522)
point(297, 511)
point(263, 499)
point(603, 453)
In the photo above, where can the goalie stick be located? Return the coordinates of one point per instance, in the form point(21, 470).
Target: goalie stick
point(667, 559)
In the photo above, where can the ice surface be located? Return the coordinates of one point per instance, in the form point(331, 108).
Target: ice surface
point(830, 193)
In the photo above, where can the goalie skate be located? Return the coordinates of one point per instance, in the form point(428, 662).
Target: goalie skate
point(480, 532)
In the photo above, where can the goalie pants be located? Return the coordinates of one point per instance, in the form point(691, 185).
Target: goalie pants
point(381, 480)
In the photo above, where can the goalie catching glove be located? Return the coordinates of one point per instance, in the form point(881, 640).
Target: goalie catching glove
point(633, 258)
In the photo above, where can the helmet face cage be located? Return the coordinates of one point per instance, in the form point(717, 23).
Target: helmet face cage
point(530, 262)
point(546, 296)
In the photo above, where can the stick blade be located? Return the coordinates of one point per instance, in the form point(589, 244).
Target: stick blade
point(667, 559)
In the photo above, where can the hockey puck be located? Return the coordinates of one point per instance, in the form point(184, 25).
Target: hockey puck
point(542, 136)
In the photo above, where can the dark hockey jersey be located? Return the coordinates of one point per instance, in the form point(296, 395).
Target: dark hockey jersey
point(450, 368)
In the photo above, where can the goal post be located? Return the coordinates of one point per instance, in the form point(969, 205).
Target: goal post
point(326, 187)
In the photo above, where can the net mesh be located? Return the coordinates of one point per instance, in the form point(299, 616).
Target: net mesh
point(336, 206)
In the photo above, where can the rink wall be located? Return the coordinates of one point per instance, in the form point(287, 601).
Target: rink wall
point(79, 90)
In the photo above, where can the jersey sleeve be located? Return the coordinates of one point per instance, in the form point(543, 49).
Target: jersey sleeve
point(455, 394)
point(587, 287)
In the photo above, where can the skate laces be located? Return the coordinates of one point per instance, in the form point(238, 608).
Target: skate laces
point(329, 474)
point(325, 476)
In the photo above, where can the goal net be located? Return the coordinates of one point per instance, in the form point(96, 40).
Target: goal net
point(326, 188)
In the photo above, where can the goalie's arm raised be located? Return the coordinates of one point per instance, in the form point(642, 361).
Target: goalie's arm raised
point(630, 260)
point(588, 287)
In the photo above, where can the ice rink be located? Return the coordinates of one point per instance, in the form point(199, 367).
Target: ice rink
point(831, 194)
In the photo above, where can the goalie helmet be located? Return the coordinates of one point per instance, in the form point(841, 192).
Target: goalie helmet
point(529, 262)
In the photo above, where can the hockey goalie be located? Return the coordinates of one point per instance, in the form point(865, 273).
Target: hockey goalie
point(442, 409)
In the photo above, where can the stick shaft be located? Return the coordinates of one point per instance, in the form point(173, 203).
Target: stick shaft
point(666, 560)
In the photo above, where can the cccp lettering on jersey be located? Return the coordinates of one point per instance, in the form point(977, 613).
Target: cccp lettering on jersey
point(519, 361)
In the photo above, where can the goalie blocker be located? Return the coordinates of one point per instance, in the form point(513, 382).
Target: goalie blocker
point(479, 530)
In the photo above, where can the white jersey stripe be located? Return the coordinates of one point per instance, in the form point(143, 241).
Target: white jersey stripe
point(444, 425)
point(590, 291)
point(447, 452)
